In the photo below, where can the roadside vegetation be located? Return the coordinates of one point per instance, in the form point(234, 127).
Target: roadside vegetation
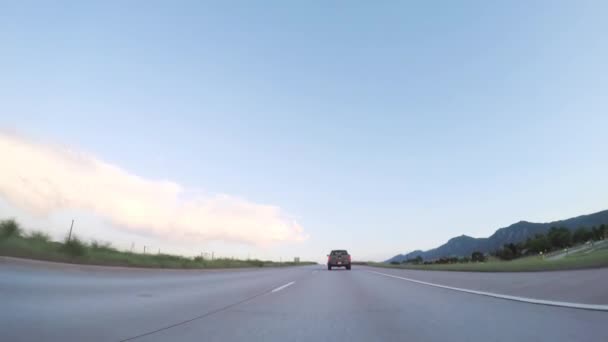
point(596, 258)
point(15, 242)
point(558, 239)
point(559, 249)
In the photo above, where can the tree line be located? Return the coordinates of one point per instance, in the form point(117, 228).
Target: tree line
point(557, 238)
point(475, 257)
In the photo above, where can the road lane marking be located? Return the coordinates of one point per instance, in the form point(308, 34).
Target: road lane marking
point(283, 286)
point(597, 307)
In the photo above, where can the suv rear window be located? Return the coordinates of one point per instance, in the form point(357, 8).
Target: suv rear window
point(341, 252)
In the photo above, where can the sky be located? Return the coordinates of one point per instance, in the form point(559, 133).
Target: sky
point(281, 129)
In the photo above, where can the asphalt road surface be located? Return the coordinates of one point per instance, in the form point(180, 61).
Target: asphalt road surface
point(309, 303)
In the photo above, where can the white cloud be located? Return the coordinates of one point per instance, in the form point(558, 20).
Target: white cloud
point(42, 178)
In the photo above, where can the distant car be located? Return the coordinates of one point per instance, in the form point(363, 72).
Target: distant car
point(338, 258)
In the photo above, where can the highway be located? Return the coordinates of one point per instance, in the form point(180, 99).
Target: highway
point(55, 302)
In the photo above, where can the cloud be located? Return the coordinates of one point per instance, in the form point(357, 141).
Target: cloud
point(43, 178)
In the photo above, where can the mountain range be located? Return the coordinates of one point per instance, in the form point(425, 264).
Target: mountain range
point(465, 245)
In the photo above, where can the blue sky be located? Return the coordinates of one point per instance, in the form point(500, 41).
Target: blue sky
point(380, 128)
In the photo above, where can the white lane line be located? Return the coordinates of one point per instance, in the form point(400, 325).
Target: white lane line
point(282, 287)
point(598, 307)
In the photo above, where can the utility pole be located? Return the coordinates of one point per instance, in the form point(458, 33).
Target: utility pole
point(70, 234)
point(144, 249)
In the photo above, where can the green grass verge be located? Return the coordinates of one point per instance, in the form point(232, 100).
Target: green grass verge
point(38, 246)
point(595, 259)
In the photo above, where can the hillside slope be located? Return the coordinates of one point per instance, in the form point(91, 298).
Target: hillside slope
point(465, 245)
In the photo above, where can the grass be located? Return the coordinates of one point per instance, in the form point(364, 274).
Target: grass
point(38, 245)
point(595, 259)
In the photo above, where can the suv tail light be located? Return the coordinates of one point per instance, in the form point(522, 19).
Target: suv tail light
point(349, 258)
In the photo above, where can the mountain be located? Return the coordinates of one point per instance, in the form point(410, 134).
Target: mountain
point(460, 245)
point(410, 255)
point(465, 245)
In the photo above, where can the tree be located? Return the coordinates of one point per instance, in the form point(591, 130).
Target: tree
point(477, 256)
point(504, 254)
point(417, 260)
point(559, 237)
point(514, 248)
point(581, 235)
point(10, 228)
point(540, 243)
point(604, 231)
point(464, 260)
point(508, 252)
point(597, 233)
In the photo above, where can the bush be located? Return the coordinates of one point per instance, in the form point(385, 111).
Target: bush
point(477, 257)
point(74, 247)
point(505, 254)
point(102, 246)
point(40, 237)
point(446, 260)
point(9, 228)
point(417, 260)
point(256, 263)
